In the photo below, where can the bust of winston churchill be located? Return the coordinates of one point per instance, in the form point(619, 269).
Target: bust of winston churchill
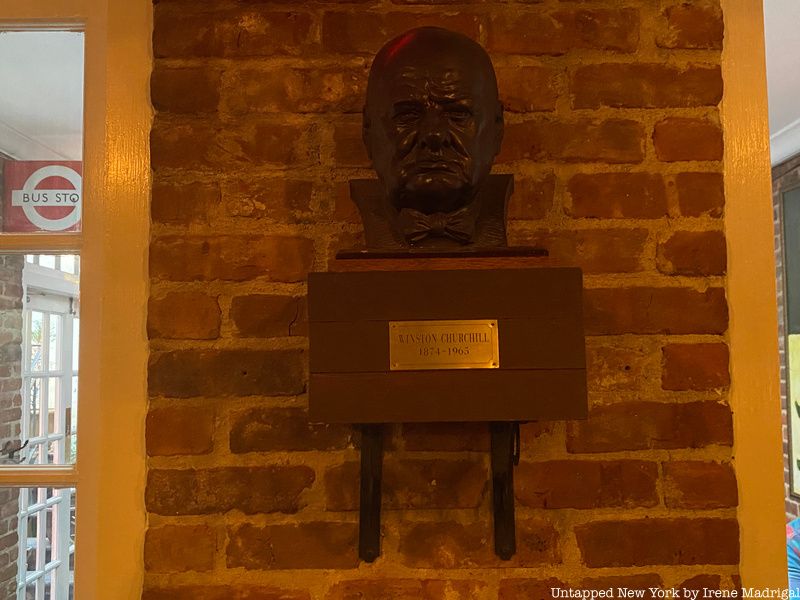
point(432, 126)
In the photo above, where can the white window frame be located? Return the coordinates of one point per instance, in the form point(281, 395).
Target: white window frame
point(49, 292)
point(57, 568)
point(110, 470)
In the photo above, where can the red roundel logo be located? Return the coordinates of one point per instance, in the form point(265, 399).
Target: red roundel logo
point(42, 196)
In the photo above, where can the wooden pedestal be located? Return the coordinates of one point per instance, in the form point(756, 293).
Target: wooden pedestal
point(542, 364)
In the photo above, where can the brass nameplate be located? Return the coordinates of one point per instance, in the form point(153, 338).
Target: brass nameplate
point(423, 345)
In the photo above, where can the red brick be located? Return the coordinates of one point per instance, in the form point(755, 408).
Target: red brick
point(528, 89)
point(178, 548)
point(700, 194)
point(15, 413)
point(667, 310)
point(617, 196)
point(183, 203)
point(650, 425)
point(695, 24)
point(261, 143)
point(533, 197)
point(433, 2)
point(523, 32)
point(365, 32)
point(10, 430)
point(530, 589)
point(265, 315)
point(348, 144)
point(410, 484)
point(700, 253)
point(346, 240)
point(10, 304)
point(211, 145)
point(446, 437)
point(534, 431)
point(300, 327)
point(251, 490)
point(314, 545)
point(12, 416)
point(183, 315)
point(619, 366)
point(12, 288)
point(679, 138)
point(702, 582)
point(586, 484)
point(296, 90)
point(695, 367)
point(186, 145)
point(279, 199)
point(189, 373)
point(10, 339)
point(680, 542)
point(12, 319)
point(344, 207)
point(276, 429)
point(223, 592)
point(736, 579)
point(594, 250)
point(180, 430)
point(584, 140)
point(405, 589)
point(644, 581)
point(452, 545)
point(231, 258)
point(699, 485)
point(185, 90)
point(182, 32)
point(8, 541)
point(7, 570)
point(641, 85)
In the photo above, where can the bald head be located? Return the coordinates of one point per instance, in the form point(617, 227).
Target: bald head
point(431, 50)
point(432, 120)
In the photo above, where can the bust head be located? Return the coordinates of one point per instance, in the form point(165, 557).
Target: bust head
point(433, 122)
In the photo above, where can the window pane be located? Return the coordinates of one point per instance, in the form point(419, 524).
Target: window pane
point(48, 261)
point(53, 399)
point(68, 264)
point(34, 404)
point(54, 350)
point(38, 395)
point(75, 339)
point(72, 423)
point(39, 545)
point(41, 144)
point(35, 340)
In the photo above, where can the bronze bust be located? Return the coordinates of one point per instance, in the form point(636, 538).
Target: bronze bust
point(433, 124)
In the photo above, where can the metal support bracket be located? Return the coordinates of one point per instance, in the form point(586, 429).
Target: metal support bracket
point(369, 524)
point(505, 455)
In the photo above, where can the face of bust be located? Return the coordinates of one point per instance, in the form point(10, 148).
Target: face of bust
point(433, 123)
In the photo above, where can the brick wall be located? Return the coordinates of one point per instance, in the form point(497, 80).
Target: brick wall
point(613, 136)
point(10, 406)
point(785, 177)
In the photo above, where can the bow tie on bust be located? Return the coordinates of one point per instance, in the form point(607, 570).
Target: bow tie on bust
point(458, 225)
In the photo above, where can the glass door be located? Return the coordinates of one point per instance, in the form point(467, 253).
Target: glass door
point(41, 209)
